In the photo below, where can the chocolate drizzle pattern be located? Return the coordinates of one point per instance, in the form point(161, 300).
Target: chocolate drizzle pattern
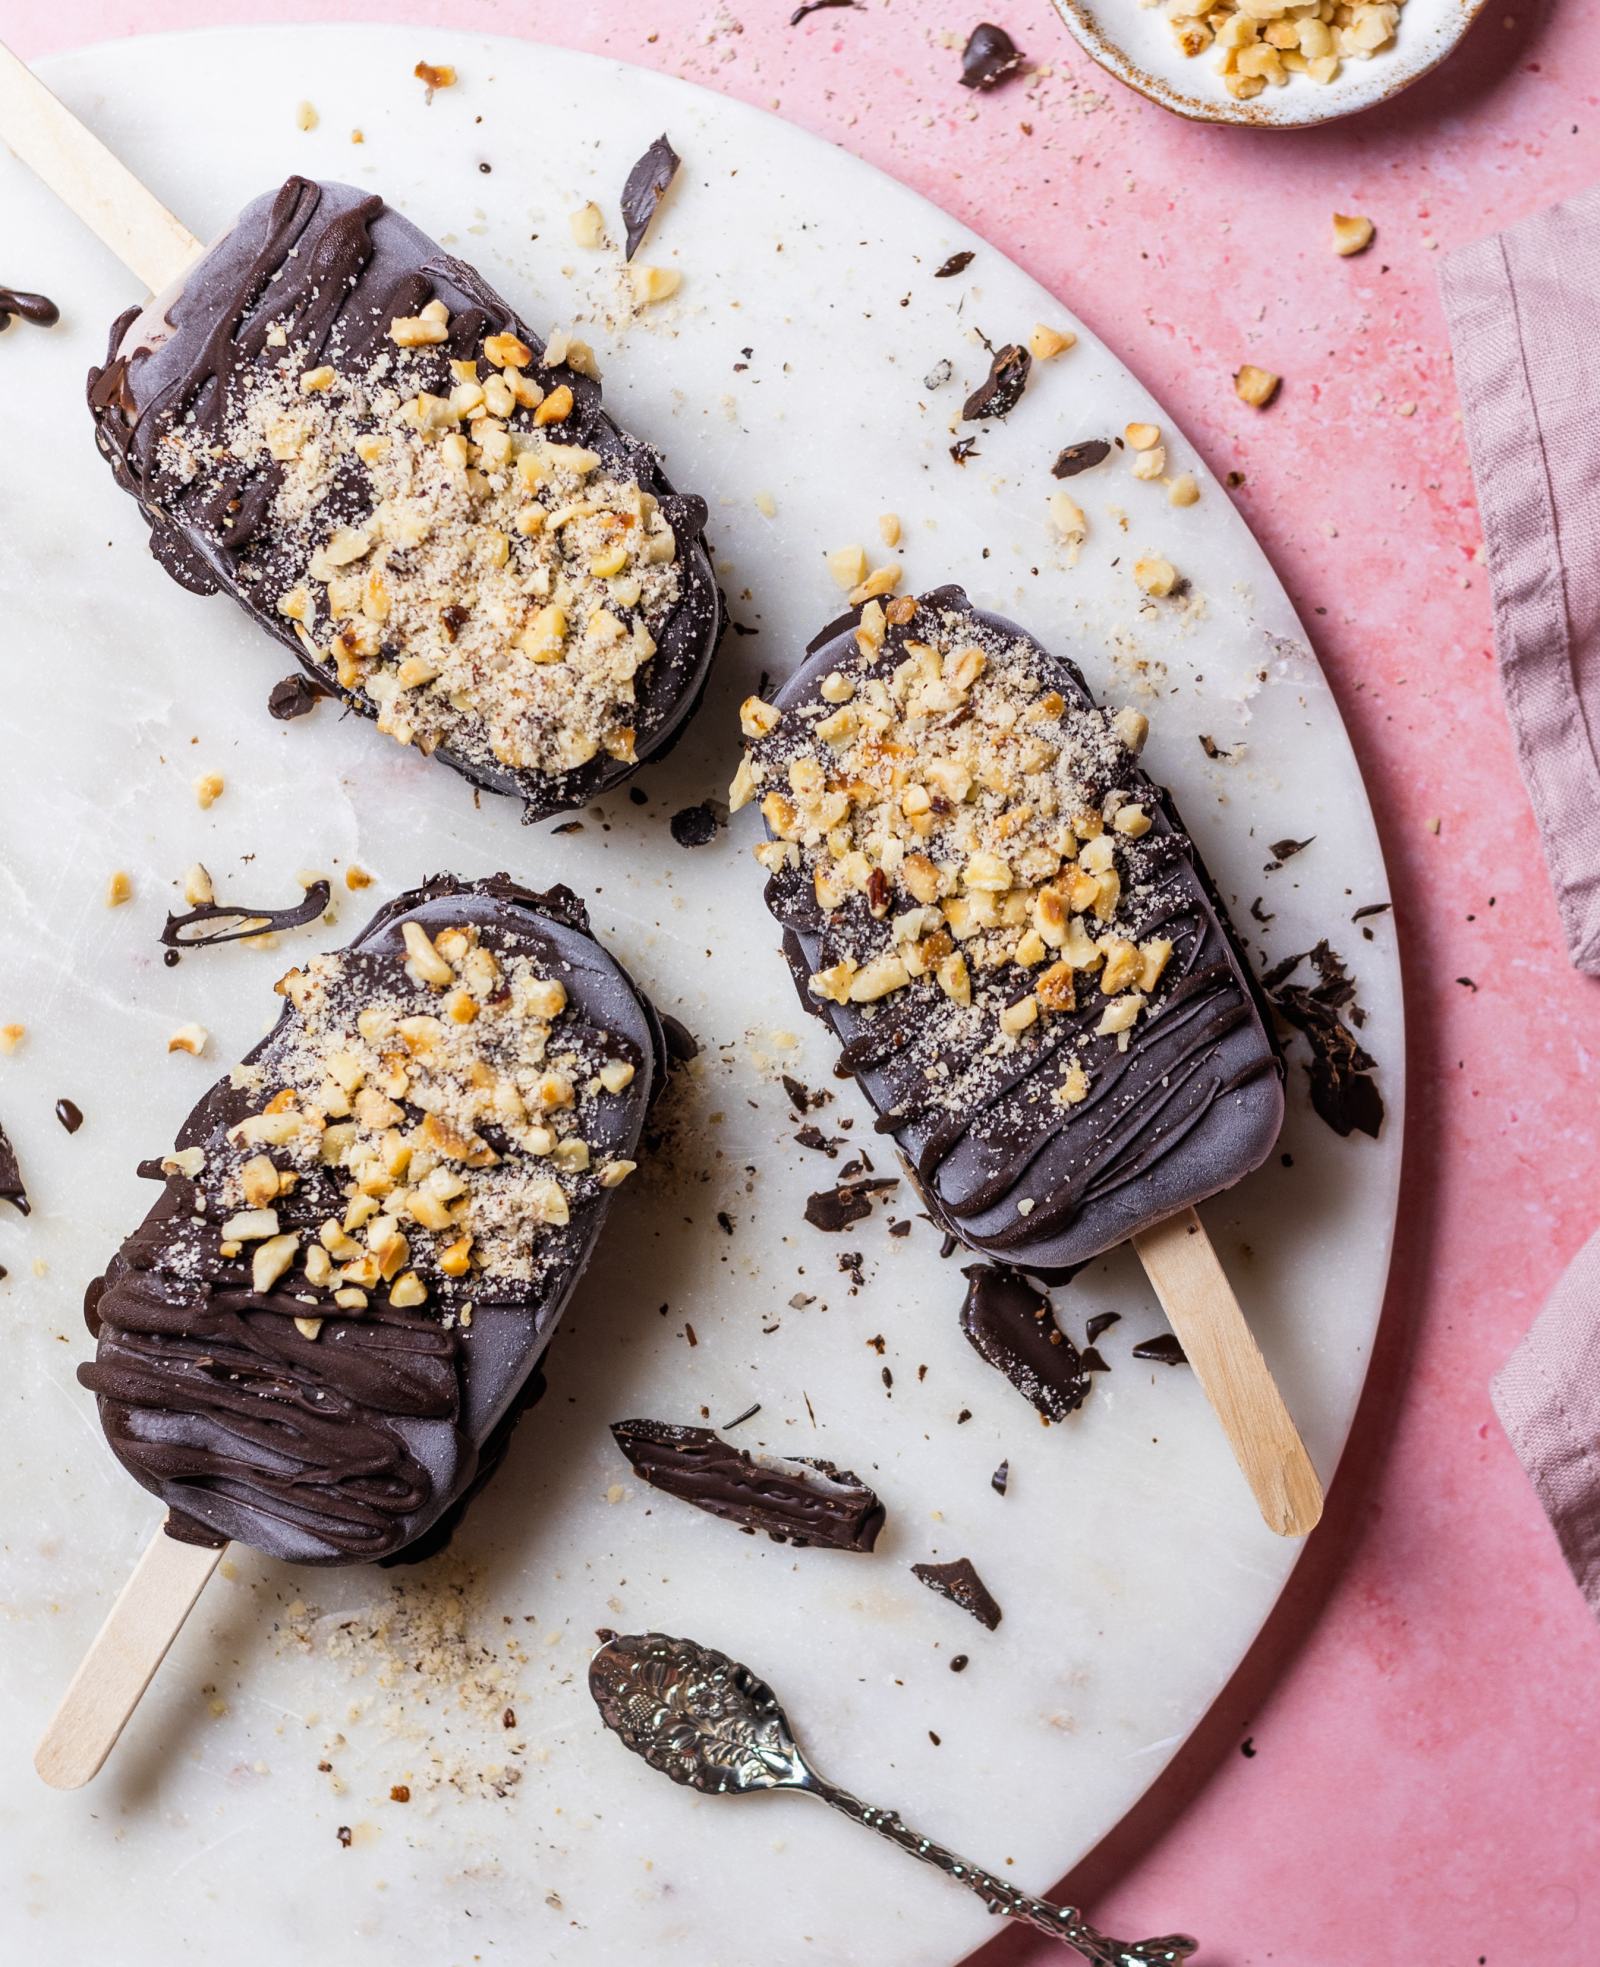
point(37, 308)
point(324, 270)
point(287, 1415)
point(1194, 1102)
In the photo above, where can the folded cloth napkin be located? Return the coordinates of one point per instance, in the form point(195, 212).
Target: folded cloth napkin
point(1524, 315)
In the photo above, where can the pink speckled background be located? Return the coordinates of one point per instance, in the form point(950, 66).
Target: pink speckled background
point(1422, 1710)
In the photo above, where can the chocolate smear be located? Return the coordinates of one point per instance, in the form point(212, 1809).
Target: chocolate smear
point(1001, 390)
point(1000, 1481)
point(1074, 458)
point(220, 923)
point(834, 1209)
point(698, 826)
point(1011, 1325)
point(801, 1502)
point(989, 58)
point(1343, 1090)
point(42, 312)
point(817, 7)
point(294, 697)
point(960, 1583)
point(646, 187)
point(70, 1114)
point(957, 263)
point(1102, 1321)
point(1164, 1349)
point(11, 1188)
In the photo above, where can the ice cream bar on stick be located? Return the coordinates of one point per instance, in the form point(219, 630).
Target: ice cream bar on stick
point(1027, 968)
point(342, 426)
point(320, 1338)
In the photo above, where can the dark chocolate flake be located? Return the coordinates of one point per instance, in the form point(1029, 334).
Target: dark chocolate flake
point(1074, 458)
point(70, 1114)
point(960, 1583)
point(1285, 850)
point(964, 448)
point(646, 187)
point(294, 696)
point(817, 7)
point(1102, 1321)
point(1343, 1090)
point(11, 1188)
point(213, 920)
point(1000, 1481)
point(802, 1501)
point(1011, 1325)
point(1372, 908)
point(989, 58)
point(1163, 1349)
point(1001, 390)
point(957, 263)
point(834, 1209)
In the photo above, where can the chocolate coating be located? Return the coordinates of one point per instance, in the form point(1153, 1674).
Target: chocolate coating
point(1193, 1104)
point(366, 1441)
point(804, 1502)
point(339, 264)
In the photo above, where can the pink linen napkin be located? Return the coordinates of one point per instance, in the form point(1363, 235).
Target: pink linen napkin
point(1524, 315)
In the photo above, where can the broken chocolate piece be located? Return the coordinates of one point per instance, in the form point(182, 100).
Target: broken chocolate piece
point(294, 696)
point(817, 7)
point(1092, 1360)
point(957, 263)
point(837, 1208)
point(1164, 1349)
point(1000, 1481)
point(1073, 458)
point(1012, 1326)
point(1001, 390)
point(70, 1114)
point(802, 1501)
point(42, 312)
point(1343, 1090)
point(247, 921)
point(1285, 850)
point(11, 1188)
point(646, 187)
point(989, 58)
point(801, 1097)
point(1102, 1321)
point(960, 1583)
point(698, 826)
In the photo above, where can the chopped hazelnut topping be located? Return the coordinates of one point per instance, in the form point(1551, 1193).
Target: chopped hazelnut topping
point(882, 580)
point(1254, 386)
point(308, 1328)
point(305, 116)
point(1155, 575)
point(1068, 523)
point(189, 1038)
point(587, 224)
point(889, 528)
point(1142, 436)
point(848, 565)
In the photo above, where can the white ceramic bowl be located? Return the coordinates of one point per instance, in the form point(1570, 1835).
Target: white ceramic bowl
point(1136, 44)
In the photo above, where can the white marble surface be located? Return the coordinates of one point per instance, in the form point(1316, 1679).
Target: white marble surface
point(1129, 1560)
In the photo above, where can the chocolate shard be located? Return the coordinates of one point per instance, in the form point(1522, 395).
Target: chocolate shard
point(1000, 1481)
point(960, 1583)
point(1011, 1325)
point(1343, 1090)
point(1001, 390)
point(1073, 458)
point(800, 1501)
point(294, 696)
point(957, 263)
point(11, 1186)
point(645, 188)
point(1164, 1349)
point(837, 1208)
point(989, 58)
point(817, 7)
point(334, 1405)
point(70, 1114)
point(1102, 1321)
point(1285, 850)
point(217, 922)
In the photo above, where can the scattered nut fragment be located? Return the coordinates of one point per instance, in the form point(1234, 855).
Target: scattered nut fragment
point(1068, 523)
point(588, 224)
point(653, 283)
point(189, 1038)
point(118, 889)
point(423, 960)
point(1155, 575)
point(612, 1174)
point(198, 889)
point(1045, 343)
point(882, 580)
point(889, 528)
point(1152, 464)
point(1351, 234)
point(208, 789)
point(356, 878)
point(1184, 489)
point(1133, 727)
point(1142, 436)
point(305, 116)
point(436, 75)
point(1254, 386)
point(11, 1036)
point(848, 565)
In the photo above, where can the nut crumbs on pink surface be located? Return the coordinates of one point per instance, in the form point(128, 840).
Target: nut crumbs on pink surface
point(1425, 1780)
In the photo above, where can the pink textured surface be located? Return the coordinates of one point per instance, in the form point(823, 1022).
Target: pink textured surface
point(1425, 1781)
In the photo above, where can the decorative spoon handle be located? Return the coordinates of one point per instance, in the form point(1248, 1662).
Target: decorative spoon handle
point(1061, 1922)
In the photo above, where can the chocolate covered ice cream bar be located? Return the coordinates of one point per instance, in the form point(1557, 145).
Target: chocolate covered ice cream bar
point(1000, 916)
point(320, 1337)
point(346, 429)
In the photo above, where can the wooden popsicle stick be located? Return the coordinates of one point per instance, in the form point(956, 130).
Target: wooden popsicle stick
point(87, 179)
point(1201, 1308)
point(122, 1661)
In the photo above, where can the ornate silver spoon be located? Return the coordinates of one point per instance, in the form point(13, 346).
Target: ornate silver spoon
point(706, 1721)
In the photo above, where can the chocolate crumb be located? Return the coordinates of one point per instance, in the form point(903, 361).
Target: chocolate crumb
point(960, 1583)
point(1372, 908)
point(801, 1097)
point(989, 58)
point(834, 1209)
point(1211, 748)
point(1080, 457)
point(1247, 1747)
point(688, 1333)
point(901, 1228)
point(816, 7)
point(813, 1137)
point(932, 1737)
point(739, 1420)
point(70, 1114)
point(1092, 1360)
point(645, 188)
point(509, 1718)
point(1000, 1481)
point(1163, 1349)
point(1285, 850)
point(343, 1835)
point(294, 696)
point(958, 1663)
point(957, 263)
